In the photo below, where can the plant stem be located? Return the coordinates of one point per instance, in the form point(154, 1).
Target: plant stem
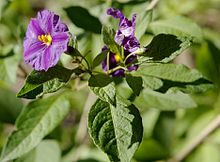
point(82, 129)
point(152, 4)
point(23, 70)
point(213, 125)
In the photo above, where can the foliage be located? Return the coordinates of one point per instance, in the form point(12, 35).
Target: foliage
point(152, 113)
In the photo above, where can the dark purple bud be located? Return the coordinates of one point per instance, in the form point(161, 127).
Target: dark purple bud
point(112, 62)
point(130, 60)
point(115, 13)
point(119, 73)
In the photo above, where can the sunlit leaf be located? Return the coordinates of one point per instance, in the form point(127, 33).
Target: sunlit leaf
point(135, 83)
point(165, 47)
point(108, 38)
point(179, 26)
point(99, 58)
point(41, 82)
point(117, 130)
point(8, 68)
point(99, 80)
point(143, 20)
point(46, 151)
point(172, 72)
point(38, 119)
point(106, 93)
point(168, 101)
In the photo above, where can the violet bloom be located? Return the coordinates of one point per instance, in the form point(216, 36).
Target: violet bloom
point(125, 36)
point(114, 60)
point(46, 39)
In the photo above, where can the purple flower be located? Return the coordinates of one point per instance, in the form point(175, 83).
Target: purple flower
point(130, 44)
point(46, 39)
point(114, 61)
point(115, 13)
point(125, 36)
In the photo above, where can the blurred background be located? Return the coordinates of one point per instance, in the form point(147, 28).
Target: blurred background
point(70, 142)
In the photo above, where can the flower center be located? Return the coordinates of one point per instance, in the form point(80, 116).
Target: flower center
point(117, 58)
point(45, 38)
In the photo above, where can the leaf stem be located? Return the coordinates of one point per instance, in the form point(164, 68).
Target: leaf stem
point(107, 62)
point(213, 125)
point(116, 68)
point(138, 52)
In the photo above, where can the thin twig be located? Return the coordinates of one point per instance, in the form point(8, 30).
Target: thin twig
point(213, 125)
point(152, 4)
point(82, 129)
point(23, 70)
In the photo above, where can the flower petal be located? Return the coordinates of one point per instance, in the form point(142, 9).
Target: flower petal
point(34, 29)
point(46, 18)
point(115, 13)
point(61, 27)
point(46, 62)
point(119, 37)
point(39, 53)
point(126, 27)
point(60, 37)
point(131, 43)
point(33, 51)
point(119, 73)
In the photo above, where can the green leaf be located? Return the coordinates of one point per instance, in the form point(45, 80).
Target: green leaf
point(150, 150)
point(38, 119)
point(99, 58)
point(106, 93)
point(116, 130)
point(10, 106)
point(108, 38)
point(46, 151)
point(41, 82)
point(152, 82)
point(4, 55)
point(162, 77)
point(165, 47)
point(135, 83)
point(168, 101)
point(198, 86)
point(172, 72)
point(207, 62)
point(99, 80)
point(8, 68)
point(165, 124)
point(179, 26)
point(143, 20)
point(83, 19)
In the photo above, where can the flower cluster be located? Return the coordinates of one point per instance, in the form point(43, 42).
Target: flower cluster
point(46, 39)
point(125, 36)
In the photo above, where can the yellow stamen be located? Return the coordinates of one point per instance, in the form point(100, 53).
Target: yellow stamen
point(117, 58)
point(47, 39)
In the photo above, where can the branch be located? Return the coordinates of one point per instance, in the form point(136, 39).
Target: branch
point(213, 125)
point(152, 4)
point(82, 129)
point(25, 73)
